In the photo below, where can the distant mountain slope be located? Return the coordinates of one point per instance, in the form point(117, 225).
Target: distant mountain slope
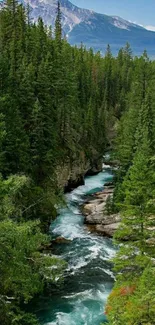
point(93, 29)
point(99, 30)
point(47, 9)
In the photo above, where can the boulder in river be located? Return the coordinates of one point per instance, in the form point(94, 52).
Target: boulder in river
point(109, 184)
point(96, 217)
point(107, 230)
point(61, 240)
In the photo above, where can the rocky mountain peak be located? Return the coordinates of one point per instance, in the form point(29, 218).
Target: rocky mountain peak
point(93, 29)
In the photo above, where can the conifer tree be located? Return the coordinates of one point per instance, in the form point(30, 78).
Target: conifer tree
point(58, 28)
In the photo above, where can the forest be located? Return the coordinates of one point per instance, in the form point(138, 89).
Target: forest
point(57, 103)
point(132, 300)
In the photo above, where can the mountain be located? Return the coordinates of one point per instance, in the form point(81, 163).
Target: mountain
point(47, 9)
point(94, 29)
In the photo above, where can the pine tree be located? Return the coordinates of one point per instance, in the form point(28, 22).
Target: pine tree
point(58, 28)
point(131, 301)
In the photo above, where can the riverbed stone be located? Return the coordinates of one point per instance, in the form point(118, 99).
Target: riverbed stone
point(109, 185)
point(96, 217)
point(107, 230)
point(61, 240)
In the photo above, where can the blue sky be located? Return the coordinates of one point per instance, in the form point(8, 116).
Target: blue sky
point(138, 11)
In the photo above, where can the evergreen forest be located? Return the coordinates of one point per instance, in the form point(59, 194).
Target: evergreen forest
point(59, 103)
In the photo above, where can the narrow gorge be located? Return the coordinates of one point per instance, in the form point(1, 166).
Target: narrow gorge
point(89, 277)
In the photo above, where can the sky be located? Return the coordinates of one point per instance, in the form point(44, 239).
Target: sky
point(141, 12)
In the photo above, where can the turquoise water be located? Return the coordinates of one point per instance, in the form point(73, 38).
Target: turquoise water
point(88, 279)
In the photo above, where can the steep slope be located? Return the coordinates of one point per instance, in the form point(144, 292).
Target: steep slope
point(93, 29)
point(47, 9)
point(100, 30)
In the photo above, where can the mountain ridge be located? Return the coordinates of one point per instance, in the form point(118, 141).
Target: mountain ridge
point(93, 29)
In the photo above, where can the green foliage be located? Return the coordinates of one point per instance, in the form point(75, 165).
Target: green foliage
point(133, 303)
point(23, 270)
point(109, 207)
point(11, 196)
point(132, 300)
point(60, 103)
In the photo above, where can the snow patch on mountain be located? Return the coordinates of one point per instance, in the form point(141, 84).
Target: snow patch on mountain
point(93, 29)
point(120, 25)
point(124, 24)
point(47, 9)
point(71, 15)
point(150, 27)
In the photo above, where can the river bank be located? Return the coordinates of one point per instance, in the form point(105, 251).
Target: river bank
point(72, 172)
point(89, 278)
point(97, 218)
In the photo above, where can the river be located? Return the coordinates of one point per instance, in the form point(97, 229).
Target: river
point(89, 278)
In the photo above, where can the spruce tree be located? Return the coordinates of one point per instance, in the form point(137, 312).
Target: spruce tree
point(58, 28)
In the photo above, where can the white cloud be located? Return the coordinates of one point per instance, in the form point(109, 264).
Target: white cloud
point(150, 27)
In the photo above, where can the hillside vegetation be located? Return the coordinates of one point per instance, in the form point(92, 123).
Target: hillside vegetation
point(58, 103)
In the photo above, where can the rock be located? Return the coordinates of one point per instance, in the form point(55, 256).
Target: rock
point(109, 184)
point(111, 163)
point(151, 242)
point(96, 218)
point(70, 174)
point(102, 219)
point(108, 230)
point(72, 184)
point(92, 228)
point(61, 240)
point(103, 195)
point(96, 205)
point(96, 167)
point(104, 230)
point(86, 209)
point(93, 208)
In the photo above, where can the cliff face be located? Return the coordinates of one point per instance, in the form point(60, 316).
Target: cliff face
point(71, 174)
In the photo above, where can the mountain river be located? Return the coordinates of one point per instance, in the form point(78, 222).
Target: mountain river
point(89, 278)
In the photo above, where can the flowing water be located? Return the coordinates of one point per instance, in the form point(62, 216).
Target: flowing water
point(89, 278)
